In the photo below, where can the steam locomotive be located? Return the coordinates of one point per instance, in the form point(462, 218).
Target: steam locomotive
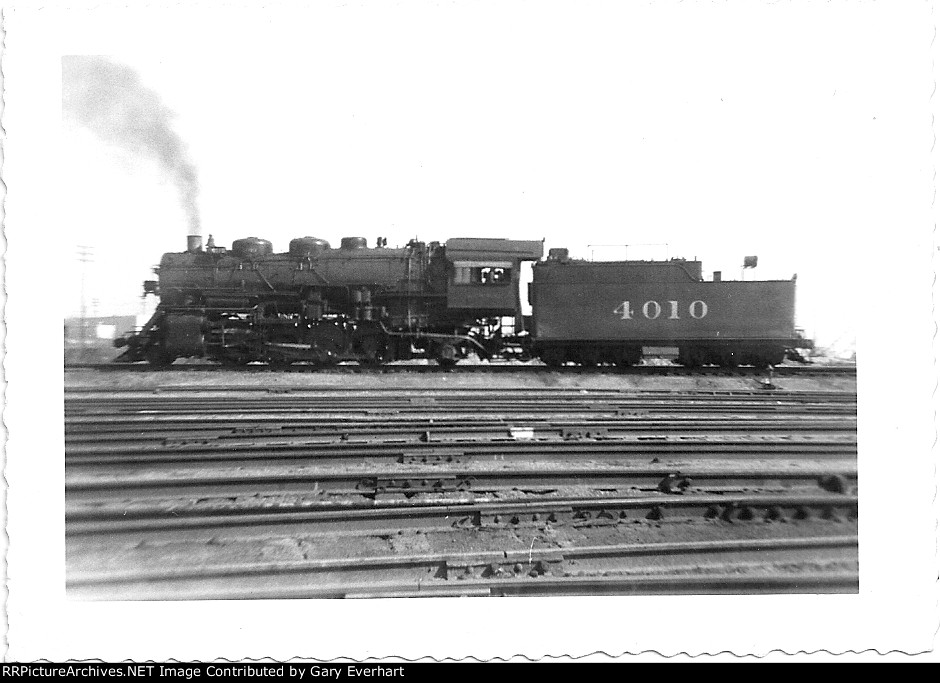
point(320, 305)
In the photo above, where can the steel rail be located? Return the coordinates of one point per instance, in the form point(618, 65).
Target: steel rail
point(507, 436)
point(296, 405)
point(183, 414)
point(733, 584)
point(317, 423)
point(720, 584)
point(397, 514)
point(432, 447)
point(537, 474)
point(453, 430)
point(443, 453)
point(231, 401)
point(491, 561)
point(496, 368)
point(455, 393)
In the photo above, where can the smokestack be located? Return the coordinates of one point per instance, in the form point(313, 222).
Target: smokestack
point(194, 244)
point(109, 100)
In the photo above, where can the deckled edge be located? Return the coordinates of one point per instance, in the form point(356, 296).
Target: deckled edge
point(932, 104)
point(429, 659)
point(4, 508)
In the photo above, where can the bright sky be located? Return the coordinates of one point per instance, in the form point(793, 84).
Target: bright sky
point(722, 129)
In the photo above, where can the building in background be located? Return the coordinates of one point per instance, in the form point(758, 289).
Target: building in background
point(91, 339)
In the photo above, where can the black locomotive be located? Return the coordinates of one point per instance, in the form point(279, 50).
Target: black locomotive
point(320, 305)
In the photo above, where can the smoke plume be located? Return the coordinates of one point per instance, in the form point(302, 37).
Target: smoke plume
point(109, 100)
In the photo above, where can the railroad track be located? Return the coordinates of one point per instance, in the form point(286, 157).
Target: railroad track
point(332, 404)
point(151, 496)
point(603, 584)
point(394, 515)
point(513, 571)
point(162, 484)
point(493, 367)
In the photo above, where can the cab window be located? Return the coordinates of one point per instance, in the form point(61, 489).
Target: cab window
point(482, 274)
point(490, 276)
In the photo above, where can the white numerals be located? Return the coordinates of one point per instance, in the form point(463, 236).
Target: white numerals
point(698, 309)
point(624, 311)
point(652, 310)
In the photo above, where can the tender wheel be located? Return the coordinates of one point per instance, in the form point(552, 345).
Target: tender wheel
point(773, 357)
point(629, 357)
point(692, 356)
point(590, 357)
point(553, 357)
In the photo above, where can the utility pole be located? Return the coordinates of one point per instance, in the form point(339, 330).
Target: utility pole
point(85, 255)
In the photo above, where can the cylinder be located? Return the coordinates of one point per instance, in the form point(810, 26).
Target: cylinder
point(194, 244)
point(184, 335)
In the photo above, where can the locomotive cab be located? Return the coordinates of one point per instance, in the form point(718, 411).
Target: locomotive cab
point(484, 275)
